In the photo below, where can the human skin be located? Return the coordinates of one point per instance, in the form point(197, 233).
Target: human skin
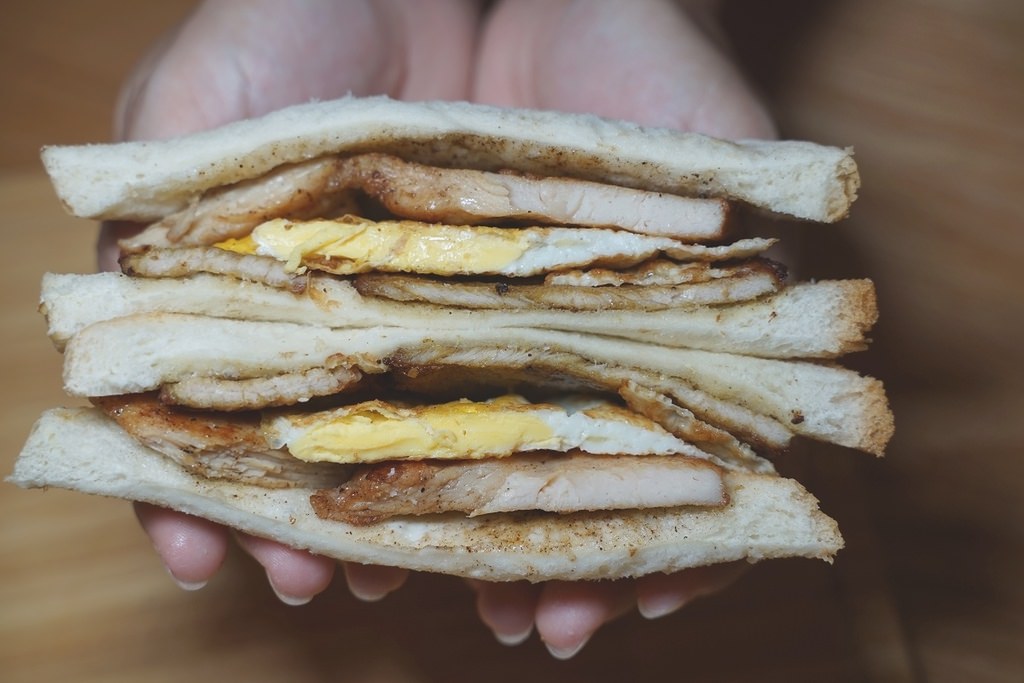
point(655, 62)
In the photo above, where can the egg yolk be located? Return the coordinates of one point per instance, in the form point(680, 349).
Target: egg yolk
point(353, 245)
point(375, 431)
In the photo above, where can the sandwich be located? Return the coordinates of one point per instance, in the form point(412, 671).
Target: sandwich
point(494, 343)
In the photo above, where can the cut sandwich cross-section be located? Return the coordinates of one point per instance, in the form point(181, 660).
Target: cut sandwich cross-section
point(495, 343)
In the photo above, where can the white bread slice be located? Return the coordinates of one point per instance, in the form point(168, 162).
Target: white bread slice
point(144, 181)
point(142, 352)
point(768, 517)
point(809, 320)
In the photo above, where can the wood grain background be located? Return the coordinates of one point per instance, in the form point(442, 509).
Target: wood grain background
point(930, 95)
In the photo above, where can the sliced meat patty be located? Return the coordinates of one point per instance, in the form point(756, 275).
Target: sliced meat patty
point(296, 191)
point(185, 261)
point(324, 186)
point(549, 482)
point(214, 393)
point(746, 286)
point(663, 273)
point(464, 196)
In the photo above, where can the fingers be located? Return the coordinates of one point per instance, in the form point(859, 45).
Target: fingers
point(191, 548)
point(569, 613)
point(296, 576)
point(660, 594)
point(647, 61)
point(371, 583)
point(508, 609)
point(236, 58)
point(233, 59)
point(436, 47)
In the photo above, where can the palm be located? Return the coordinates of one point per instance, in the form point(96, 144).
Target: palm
point(645, 61)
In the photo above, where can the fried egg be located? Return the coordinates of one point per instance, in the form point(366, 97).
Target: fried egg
point(352, 245)
point(373, 431)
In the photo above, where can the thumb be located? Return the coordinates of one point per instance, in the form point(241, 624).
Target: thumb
point(647, 61)
point(235, 59)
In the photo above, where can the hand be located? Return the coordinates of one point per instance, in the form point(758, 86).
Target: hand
point(649, 61)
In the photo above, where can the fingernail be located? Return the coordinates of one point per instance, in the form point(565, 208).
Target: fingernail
point(566, 653)
point(186, 585)
point(290, 600)
point(361, 593)
point(661, 606)
point(513, 639)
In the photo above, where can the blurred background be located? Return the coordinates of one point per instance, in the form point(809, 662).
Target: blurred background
point(929, 92)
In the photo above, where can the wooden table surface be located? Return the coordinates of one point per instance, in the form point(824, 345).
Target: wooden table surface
point(929, 588)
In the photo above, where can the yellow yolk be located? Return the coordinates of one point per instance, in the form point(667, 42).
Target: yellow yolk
point(375, 430)
point(355, 245)
point(239, 245)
